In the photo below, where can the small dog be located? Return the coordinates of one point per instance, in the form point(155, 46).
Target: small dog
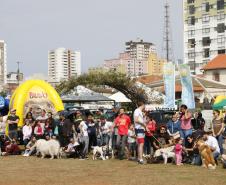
point(165, 153)
point(206, 155)
point(101, 150)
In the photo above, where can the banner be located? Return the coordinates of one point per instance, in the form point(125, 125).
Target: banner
point(187, 96)
point(169, 84)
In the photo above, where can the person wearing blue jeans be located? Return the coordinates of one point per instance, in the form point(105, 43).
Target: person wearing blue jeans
point(218, 129)
point(186, 126)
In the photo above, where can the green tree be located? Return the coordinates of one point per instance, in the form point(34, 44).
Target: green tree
point(113, 79)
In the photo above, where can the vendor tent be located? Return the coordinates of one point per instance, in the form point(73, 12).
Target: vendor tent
point(80, 95)
point(119, 98)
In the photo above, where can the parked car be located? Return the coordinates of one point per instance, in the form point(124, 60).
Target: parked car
point(162, 116)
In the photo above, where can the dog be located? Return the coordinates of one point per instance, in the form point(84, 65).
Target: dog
point(51, 147)
point(206, 155)
point(101, 150)
point(165, 153)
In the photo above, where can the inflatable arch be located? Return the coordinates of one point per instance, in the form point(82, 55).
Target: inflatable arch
point(37, 94)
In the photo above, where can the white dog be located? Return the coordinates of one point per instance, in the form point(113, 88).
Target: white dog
point(165, 153)
point(51, 147)
point(99, 150)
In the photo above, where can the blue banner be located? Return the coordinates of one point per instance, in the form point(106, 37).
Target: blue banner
point(187, 95)
point(169, 84)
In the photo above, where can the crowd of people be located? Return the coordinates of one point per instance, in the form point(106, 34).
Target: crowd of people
point(135, 137)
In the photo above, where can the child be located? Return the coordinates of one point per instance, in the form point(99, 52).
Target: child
point(131, 142)
point(178, 151)
point(38, 130)
point(150, 130)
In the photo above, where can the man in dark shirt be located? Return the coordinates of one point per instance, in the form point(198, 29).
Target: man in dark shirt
point(65, 129)
point(13, 120)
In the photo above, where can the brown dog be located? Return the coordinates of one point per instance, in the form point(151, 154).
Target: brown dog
point(206, 155)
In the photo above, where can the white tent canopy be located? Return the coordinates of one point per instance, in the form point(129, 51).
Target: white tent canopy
point(119, 98)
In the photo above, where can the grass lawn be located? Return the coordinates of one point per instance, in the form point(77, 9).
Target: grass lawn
point(18, 170)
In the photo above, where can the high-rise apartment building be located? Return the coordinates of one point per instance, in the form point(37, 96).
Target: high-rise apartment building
point(139, 50)
point(63, 64)
point(3, 69)
point(204, 31)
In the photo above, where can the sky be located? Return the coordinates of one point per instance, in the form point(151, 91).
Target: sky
point(97, 28)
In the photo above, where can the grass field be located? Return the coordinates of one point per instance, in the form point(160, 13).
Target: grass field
point(18, 170)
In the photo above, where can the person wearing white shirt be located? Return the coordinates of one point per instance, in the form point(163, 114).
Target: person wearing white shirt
point(105, 129)
point(140, 130)
point(3, 120)
point(27, 131)
point(84, 138)
point(213, 144)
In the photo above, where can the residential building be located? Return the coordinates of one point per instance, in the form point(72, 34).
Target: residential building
point(139, 58)
point(204, 31)
point(14, 78)
point(63, 64)
point(155, 64)
point(3, 69)
point(216, 69)
point(139, 49)
point(97, 70)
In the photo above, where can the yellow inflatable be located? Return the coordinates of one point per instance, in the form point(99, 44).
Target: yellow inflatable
point(35, 94)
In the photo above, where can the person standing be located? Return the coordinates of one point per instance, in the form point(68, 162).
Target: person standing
point(65, 129)
point(84, 138)
point(140, 130)
point(150, 131)
point(218, 128)
point(122, 122)
point(13, 120)
point(186, 126)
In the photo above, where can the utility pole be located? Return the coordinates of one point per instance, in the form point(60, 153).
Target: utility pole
point(167, 42)
point(18, 72)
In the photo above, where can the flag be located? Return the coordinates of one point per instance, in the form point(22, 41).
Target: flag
point(187, 96)
point(169, 84)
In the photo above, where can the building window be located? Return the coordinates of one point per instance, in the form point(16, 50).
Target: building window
point(191, 55)
point(221, 51)
point(206, 53)
point(191, 9)
point(220, 40)
point(205, 19)
point(191, 20)
point(206, 41)
point(190, 1)
point(191, 33)
point(220, 28)
point(220, 16)
point(205, 30)
point(220, 4)
point(216, 76)
point(206, 7)
point(191, 43)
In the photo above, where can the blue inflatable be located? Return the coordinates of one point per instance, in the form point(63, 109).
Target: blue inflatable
point(4, 106)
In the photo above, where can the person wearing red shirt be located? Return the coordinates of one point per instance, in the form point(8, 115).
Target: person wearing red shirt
point(122, 122)
point(150, 130)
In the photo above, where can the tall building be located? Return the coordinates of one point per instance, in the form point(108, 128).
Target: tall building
point(139, 58)
point(204, 31)
point(3, 69)
point(155, 64)
point(63, 64)
point(139, 50)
